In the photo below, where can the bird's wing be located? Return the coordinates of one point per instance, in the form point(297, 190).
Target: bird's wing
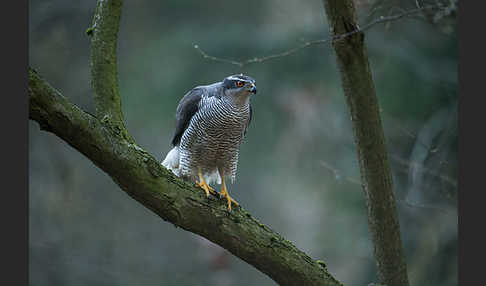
point(187, 107)
point(248, 123)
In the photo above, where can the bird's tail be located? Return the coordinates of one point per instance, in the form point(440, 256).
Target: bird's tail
point(171, 161)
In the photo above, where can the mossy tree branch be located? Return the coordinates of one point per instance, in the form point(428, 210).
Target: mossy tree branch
point(106, 142)
point(144, 179)
point(376, 176)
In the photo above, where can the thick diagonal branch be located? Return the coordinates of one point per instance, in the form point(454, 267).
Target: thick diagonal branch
point(376, 176)
point(143, 178)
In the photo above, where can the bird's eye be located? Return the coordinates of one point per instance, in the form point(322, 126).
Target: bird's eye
point(240, 83)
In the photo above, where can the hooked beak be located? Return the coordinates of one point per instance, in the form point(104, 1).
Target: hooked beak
point(253, 89)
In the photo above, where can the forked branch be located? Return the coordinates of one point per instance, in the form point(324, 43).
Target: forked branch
point(106, 142)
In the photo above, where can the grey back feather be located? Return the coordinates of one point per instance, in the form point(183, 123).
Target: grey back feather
point(187, 107)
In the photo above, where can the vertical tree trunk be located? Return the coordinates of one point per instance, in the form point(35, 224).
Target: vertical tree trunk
point(376, 177)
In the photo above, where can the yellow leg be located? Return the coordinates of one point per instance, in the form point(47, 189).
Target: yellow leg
point(203, 185)
point(224, 192)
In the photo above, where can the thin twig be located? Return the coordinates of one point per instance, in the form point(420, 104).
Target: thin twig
point(449, 180)
point(338, 176)
point(377, 21)
point(337, 173)
point(206, 56)
point(426, 207)
point(409, 133)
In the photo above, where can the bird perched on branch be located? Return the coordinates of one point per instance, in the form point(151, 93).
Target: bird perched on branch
point(211, 122)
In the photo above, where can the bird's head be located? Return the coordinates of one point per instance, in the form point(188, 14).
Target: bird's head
point(239, 86)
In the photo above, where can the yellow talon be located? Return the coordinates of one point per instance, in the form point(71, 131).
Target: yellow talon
point(224, 193)
point(203, 185)
point(207, 188)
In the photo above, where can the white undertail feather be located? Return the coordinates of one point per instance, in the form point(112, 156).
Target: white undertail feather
point(171, 161)
point(213, 177)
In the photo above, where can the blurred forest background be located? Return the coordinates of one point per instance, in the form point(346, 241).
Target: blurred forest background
point(298, 170)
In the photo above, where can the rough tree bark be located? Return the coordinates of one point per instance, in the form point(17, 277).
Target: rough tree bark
point(376, 176)
point(106, 142)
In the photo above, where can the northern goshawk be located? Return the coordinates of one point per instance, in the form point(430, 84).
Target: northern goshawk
point(211, 122)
